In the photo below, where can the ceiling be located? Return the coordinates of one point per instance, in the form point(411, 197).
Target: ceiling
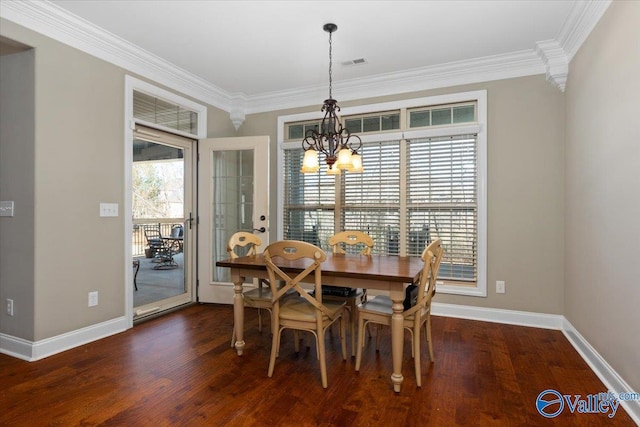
point(253, 52)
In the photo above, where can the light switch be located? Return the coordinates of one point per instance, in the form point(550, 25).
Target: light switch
point(108, 209)
point(6, 208)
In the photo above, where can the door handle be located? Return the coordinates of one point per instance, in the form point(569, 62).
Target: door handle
point(261, 229)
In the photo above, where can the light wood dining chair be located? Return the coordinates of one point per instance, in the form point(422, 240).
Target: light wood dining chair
point(340, 243)
point(306, 311)
point(261, 296)
point(378, 310)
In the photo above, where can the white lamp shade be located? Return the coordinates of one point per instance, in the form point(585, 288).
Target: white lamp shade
point(344, 159)
point(310, 163)
point(356, 163)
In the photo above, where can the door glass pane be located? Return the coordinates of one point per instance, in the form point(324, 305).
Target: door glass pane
point(158, 185)
point(232, 202)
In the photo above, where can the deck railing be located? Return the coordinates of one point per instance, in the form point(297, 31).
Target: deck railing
point(138, 240)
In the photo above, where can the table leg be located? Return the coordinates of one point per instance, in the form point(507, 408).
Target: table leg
point(238, 312)
point(397, 341)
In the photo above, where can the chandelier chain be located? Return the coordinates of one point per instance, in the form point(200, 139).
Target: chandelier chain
point(330, 63)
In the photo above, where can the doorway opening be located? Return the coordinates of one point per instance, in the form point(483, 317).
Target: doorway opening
point(162, 205)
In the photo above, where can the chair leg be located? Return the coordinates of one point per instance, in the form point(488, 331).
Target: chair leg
point(296, 340)
point(260, 320)
point(352, 330)
point(321, 355)
point(428, 335)
point(343, 338)
point(415, 337)
point(360, 342)
point(275, 347)
point(378, 337)
point(233, 337)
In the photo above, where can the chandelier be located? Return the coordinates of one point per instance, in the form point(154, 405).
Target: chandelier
point(335, 142)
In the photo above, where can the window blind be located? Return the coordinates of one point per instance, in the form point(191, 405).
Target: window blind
point(309, 202)
point(164, 113)
point(442, 202)
point(371, 200)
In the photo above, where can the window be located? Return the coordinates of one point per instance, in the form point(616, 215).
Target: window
point(423, 178)
point(154, 110)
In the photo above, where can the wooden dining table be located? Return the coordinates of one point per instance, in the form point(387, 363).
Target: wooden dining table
point(385, 273)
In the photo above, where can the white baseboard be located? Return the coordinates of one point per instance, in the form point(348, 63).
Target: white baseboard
point(496, 315)
point(597, 363)
point(32, 351)
point(602, 369)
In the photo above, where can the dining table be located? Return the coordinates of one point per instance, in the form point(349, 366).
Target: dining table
point(378, 272)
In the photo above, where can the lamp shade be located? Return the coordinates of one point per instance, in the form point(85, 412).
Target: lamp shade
point(344, 159)
point(356, 163)
point(310, 163)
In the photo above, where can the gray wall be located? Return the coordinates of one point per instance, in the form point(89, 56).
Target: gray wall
point(602, 289)
point(70, 160)
point(17, 167)
point(525, 190)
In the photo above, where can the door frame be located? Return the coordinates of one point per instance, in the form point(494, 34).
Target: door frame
point(132, 84)
point(217, 291)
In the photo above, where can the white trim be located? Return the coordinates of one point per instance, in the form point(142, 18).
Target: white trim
point(480, 96)
point(32, 351)
point(496, 315)
point(611, 379)
point(53, 21)
point(497, 67)
point(581, 21)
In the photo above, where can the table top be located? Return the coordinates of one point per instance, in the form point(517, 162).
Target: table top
point(371, 267)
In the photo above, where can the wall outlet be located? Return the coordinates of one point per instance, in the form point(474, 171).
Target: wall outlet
point(93, 299)
point(9, 307)
point(500, 287)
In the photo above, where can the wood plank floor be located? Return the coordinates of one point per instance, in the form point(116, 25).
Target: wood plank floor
point(179, 370)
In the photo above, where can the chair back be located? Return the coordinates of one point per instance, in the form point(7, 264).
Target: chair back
point(153, 236)
point(177, 231)
point(284, 259)
point(431, 256)
point(351, 238)
point(243, 239)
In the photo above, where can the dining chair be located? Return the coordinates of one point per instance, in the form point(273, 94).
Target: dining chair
point(261, 296)
point(352, 241)
point(305, 311)
point(378, 310)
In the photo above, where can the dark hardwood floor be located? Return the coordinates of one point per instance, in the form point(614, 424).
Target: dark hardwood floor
point(179, 370)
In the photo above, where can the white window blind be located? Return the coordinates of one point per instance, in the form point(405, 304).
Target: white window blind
point(158, 111)
point(371, 200)
point(309, 202)
point(442, 201)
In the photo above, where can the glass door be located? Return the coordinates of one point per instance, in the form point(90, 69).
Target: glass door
point(233, 187)
point(162, 205)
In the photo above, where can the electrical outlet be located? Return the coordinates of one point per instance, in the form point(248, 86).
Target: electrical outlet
point(500, 287)
point(9, 307)
point(93, 299)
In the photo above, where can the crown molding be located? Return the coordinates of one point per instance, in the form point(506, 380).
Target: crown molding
point(550, 57)
point(498, 67)
point(556, 62)
point(582, 19)
point(55, 22)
